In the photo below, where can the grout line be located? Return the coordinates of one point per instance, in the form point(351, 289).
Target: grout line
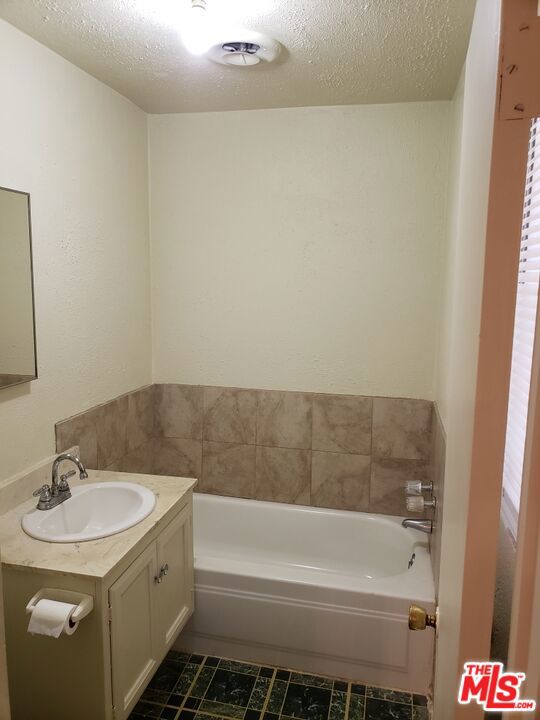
point(201, 481)
point(254, 684)
point(192, 685)
point(311, 451)
point(258, 394)
point(267, 699)
point(348, 701)
point(330, 703)
point(284, 697)
point(371, 454)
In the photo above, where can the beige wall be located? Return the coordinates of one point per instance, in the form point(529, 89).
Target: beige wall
point(79, 148)
point(451, 262)
point(16, 318)
point(299, 249)
point(473, 110)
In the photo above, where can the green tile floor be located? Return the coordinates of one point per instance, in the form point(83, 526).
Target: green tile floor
point(197, 687)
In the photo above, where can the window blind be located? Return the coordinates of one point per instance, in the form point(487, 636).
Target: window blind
point(524, 333)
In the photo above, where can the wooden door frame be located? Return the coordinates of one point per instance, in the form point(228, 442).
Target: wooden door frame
point(503, 234)
point(523, 654)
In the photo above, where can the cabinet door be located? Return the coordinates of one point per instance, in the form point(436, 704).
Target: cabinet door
point(134, 656)
point(174, 595)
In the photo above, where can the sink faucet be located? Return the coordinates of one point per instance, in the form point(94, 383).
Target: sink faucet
point(62, 486)
point(58, 491)
point(422, 524)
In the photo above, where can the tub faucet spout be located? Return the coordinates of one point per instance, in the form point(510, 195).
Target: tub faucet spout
point(424, 525)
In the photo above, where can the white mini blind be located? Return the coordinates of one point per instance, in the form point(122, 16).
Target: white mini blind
point(524, 333)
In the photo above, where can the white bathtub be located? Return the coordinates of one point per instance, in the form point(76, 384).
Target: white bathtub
point(324, 591)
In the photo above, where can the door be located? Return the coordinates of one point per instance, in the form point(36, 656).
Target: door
point(481, 296)
point(174, 594)
point(134, 656)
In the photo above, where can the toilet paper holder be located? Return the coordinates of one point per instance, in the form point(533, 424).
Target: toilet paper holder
point(85, 603)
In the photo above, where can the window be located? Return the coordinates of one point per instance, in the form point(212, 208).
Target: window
point(524, 333)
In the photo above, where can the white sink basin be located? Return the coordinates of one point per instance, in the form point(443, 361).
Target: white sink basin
point(94, 511)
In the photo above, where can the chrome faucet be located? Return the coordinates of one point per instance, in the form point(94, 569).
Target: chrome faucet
point(58, 491)
point(62, 486)
point(421, 524)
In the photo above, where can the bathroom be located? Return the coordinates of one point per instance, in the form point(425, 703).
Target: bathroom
point(259, 264)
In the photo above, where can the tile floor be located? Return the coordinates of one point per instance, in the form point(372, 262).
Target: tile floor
point(196, 687)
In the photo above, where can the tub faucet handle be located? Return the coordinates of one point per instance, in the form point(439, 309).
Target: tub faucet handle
point(417, 503)
point(417, 487)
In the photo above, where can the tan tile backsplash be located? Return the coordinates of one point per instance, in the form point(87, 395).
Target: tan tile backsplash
point(230, 415)
point(228, 469)
point(284, 420)
point(140, 460)
point(342, 423)
point(388, 477)
point(340, 481)
point(179, 411)
point(401, 428)
point(339, 451)
point(111, 430)
point(283, 475)
point(438, 460)
point(79, 430)
point(177, 456)
point(140, 426)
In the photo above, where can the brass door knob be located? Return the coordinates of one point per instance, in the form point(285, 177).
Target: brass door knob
point(419, 619)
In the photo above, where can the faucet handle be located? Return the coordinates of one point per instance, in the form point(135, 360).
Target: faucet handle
point(417, 487)
point(63, 484)
point(44, 493)
point(416, 503)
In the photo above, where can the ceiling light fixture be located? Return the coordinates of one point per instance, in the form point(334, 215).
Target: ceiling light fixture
point(244, 48)
point(241, 53)
point(204, 30)
point(196, 30)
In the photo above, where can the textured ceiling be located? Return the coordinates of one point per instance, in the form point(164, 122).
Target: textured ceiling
point(336, 52)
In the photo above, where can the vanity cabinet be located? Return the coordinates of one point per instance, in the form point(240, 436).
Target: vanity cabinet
point(149, 604)
point(143, 589)
point(133, 611)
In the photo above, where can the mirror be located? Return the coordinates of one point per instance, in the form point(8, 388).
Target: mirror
point(17, 331)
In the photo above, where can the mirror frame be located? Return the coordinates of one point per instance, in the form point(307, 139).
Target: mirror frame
point(32, 285)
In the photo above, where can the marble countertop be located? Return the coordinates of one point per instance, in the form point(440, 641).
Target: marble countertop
point(95, 558)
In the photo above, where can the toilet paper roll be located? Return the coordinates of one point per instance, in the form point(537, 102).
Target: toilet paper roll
point(52, 618)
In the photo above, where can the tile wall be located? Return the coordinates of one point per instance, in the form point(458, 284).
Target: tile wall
point(438, 458)
point(338, 451)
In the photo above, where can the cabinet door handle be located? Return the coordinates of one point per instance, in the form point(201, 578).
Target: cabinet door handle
point(164, 570)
